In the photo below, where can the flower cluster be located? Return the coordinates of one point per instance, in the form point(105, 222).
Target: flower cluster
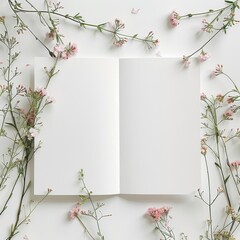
point(221, 20)
point(203, 56)
point(65, 52)
point(228, 115)
point(219, 98)
point(203, 96)
point(218, 70)
point(174, 19)
point(235, 164)
point(73, 213)
point(158, 213)
point(150, 41)
point(161, 221)
point(207, 27)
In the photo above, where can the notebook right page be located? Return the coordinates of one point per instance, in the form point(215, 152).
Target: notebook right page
point(159, 126)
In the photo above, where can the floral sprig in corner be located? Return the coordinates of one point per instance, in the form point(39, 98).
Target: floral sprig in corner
point(219, 136)
point(92, 213)
point(220, 21)
point(20, 110)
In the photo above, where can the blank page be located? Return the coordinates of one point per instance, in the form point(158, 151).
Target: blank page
point(159, 126)
point(81, 130)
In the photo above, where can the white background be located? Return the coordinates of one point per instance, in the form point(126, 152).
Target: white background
point(50, 221)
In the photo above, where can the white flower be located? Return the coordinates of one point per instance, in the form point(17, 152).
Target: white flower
point(42, 91)
point(50, 99)
point(32, 133)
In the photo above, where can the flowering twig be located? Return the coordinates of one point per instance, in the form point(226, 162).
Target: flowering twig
point(93, 213)
point(218, 110)
point(46, 18)
point(161, 220)
point(20, 124)
point(225, 14)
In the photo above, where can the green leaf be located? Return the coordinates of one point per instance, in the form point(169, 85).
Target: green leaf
point(10, 124)
point(217, 165)
point(134, 36)
point(226, 179)
point(99, 28)
point(102, 24)
point(228, 1)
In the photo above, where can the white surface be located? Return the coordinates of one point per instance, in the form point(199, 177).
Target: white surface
point(83, 128)
point(159, 119)
point(128, 221)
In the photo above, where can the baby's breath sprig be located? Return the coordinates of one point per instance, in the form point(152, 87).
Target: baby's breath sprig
point(93, 212)
point(19, 116)
point(220, 21)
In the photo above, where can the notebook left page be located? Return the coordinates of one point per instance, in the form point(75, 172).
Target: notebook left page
point(81, 129)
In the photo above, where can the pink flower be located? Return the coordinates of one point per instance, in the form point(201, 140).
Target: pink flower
point(51, 34)
point(157, 213)
point(186, 61)
point(30, 116)
point(235, 164)
point(67, 51)
point(230, 100)
point(74, 211)
point(120, 42)
point(203, 56)
point(206, 27)
point(174, 19)
point(219, 98)
point(228, 114)
point(42, 91)
point(203, 149)
point(156, 42)
point(218, 71)
point(58, 49)
point(203, 96)
point(119, 24)
point(21, 90)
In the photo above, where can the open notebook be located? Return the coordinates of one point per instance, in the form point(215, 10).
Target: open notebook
point(132, 124)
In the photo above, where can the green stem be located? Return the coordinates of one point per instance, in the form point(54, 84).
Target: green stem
point(84, 24)
point(52, 74)
point(206, 13)
point(158, 227)
point(35, 36)
point(85, 228)
point(235, 86)
point(8, 167)
point(229, 166)
point(216, 132)
point(209, 197)
point(10, 195)
point(23, 192)
point(94, 209)
point(209, 40)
